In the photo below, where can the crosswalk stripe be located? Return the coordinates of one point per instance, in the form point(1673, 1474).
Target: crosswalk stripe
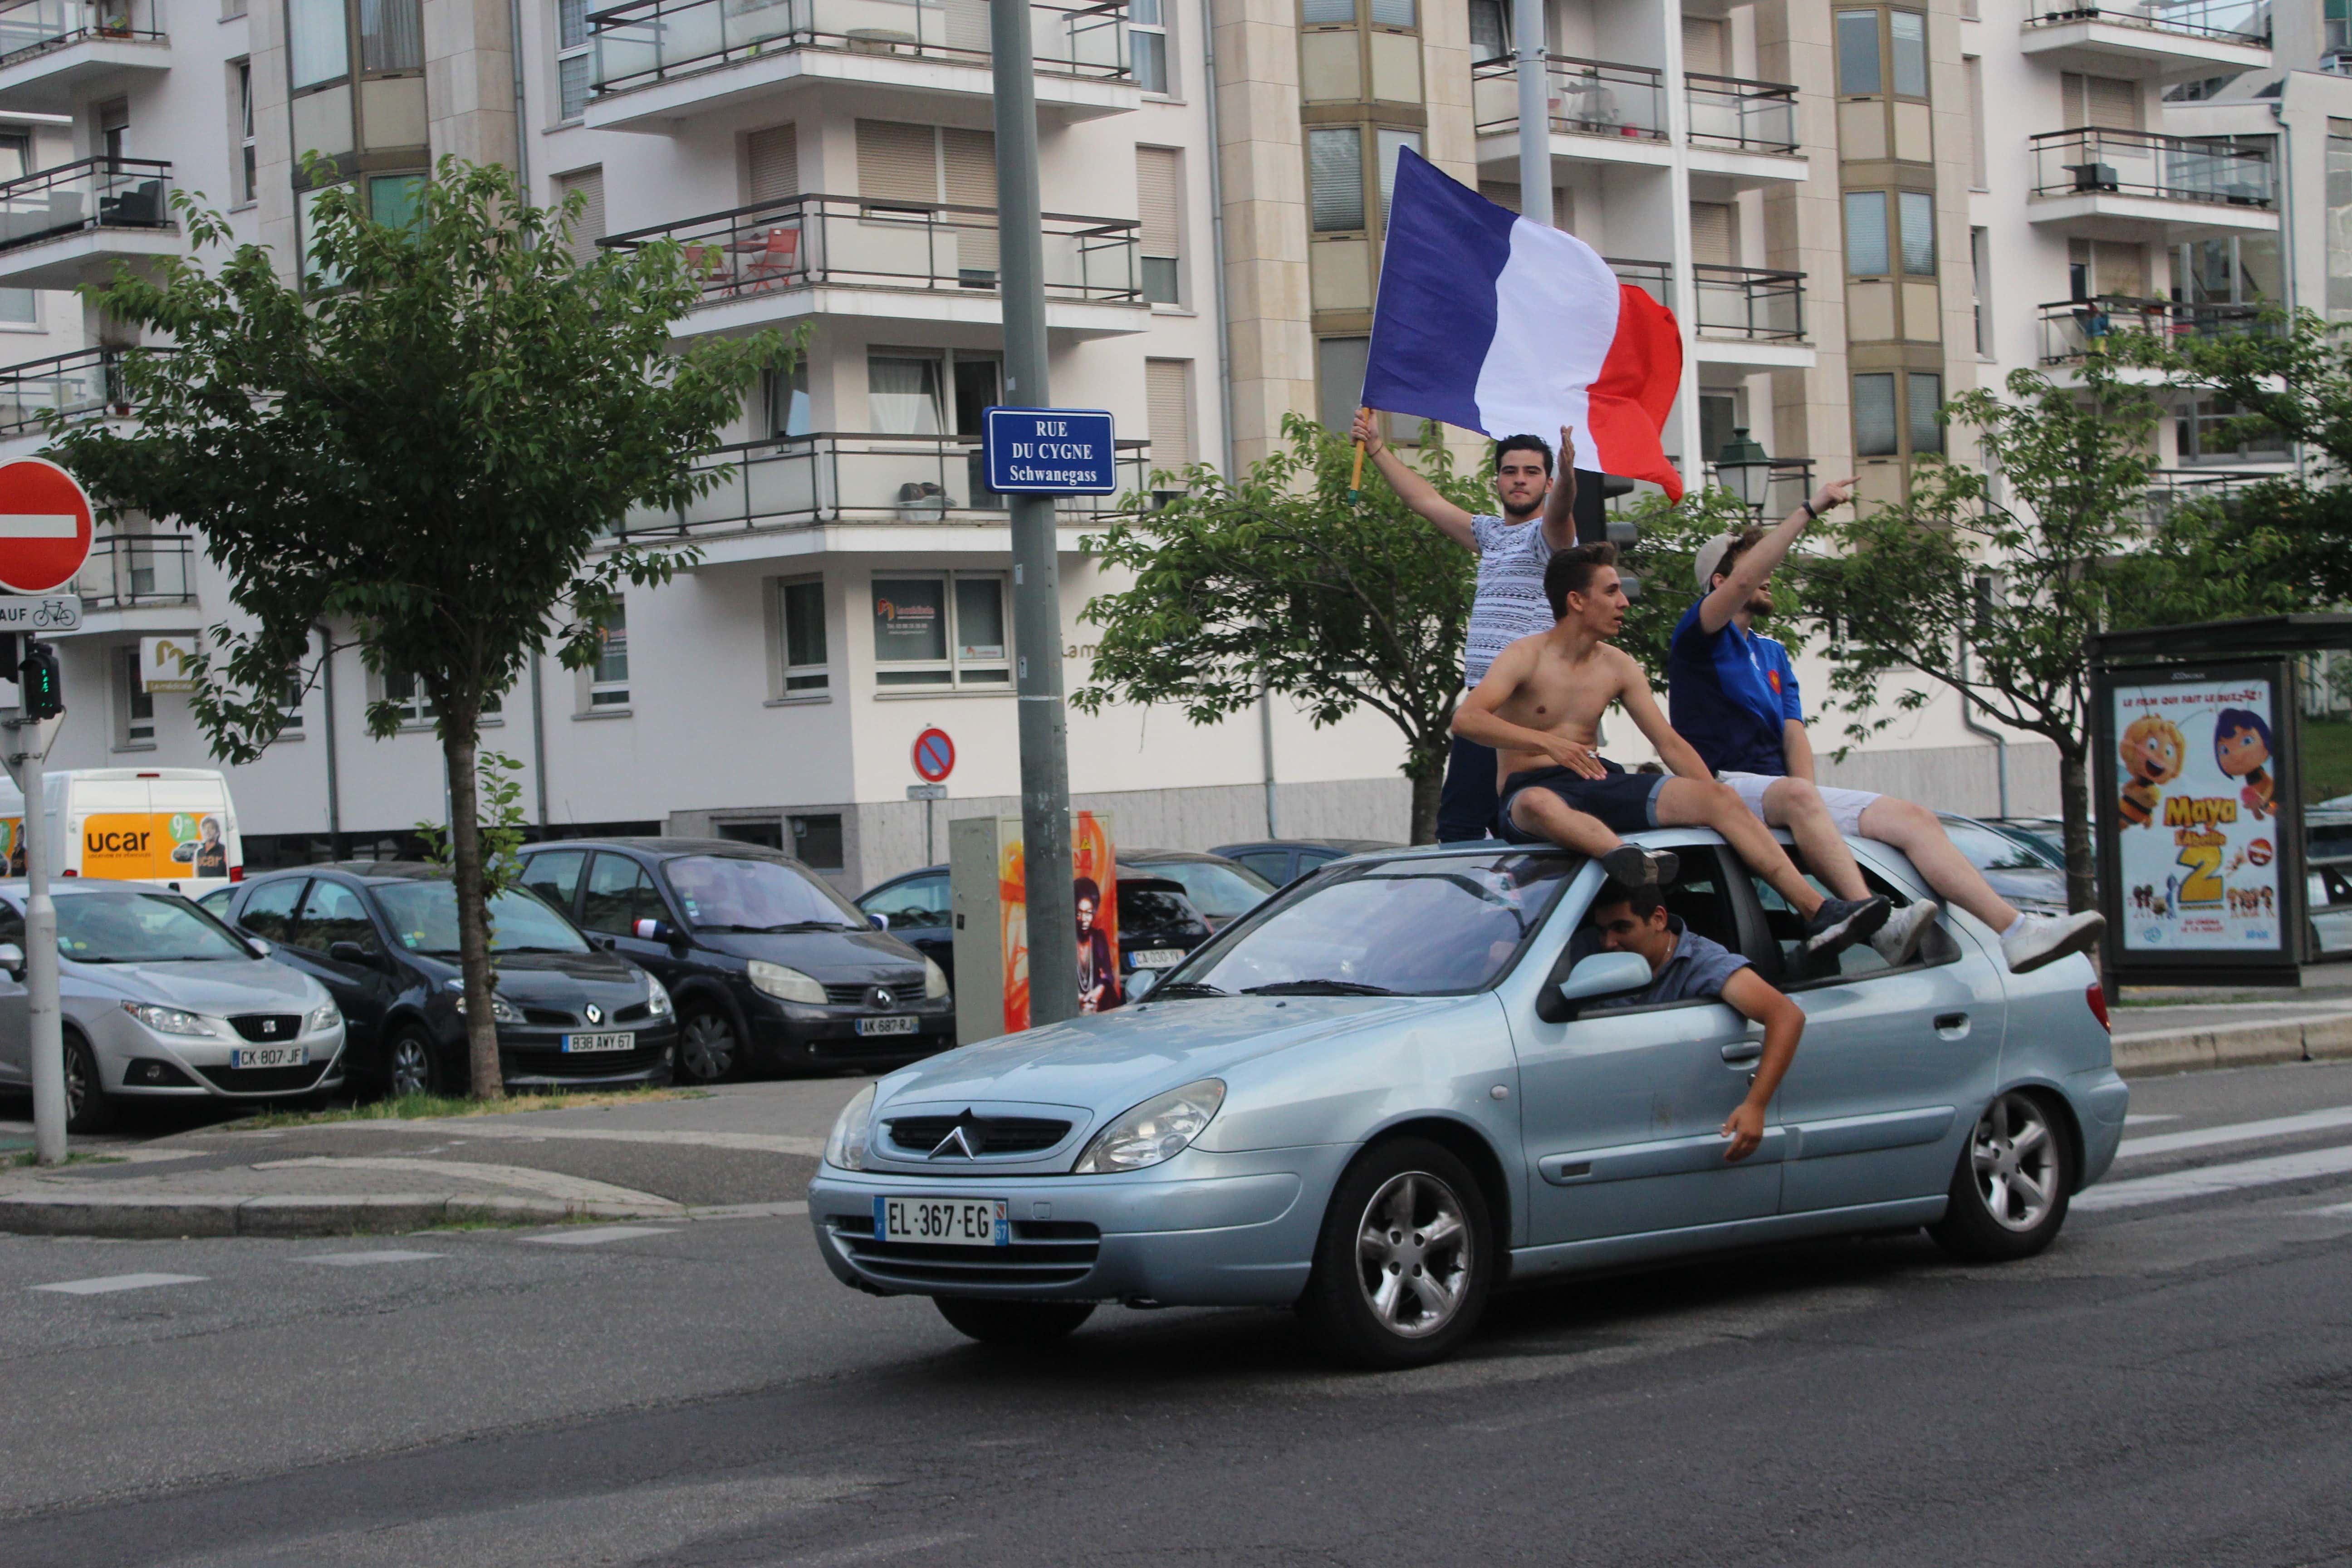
point(594, 1233)
point(361, 1259)
point(2207, 1180)
point(112, 1282)
point(2236, 1132)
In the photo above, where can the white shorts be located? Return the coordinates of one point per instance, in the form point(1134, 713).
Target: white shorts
point(1846, 806)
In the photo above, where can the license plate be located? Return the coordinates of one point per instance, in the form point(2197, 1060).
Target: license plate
point(942, 1222)
point(1160, 958)
point(612, 1040)
point(885, 1026)
point(271, 1056)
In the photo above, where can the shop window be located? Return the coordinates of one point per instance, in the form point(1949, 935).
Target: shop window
point(941, 629)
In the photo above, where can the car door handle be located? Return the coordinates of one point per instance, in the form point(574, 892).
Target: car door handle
point(1740, 1052)
point(1951, 1026)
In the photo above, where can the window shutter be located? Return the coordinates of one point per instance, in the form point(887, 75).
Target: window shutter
point(1702, 45)
point(1159, 182)
point(1167, 386)
point(896, 162)
point(970, 160)
point(2122, 269)
point(1335, 176)
point(773, 159)
point(1712, 240)
point(591, 226)
point(2111, 103)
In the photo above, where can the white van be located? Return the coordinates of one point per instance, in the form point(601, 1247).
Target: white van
point(174, 826)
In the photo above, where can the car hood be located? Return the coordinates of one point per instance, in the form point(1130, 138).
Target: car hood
point(847, 954)
point(554, 973)
point(218, 987)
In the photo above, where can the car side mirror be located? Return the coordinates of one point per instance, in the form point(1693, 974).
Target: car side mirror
point(1596, 975)
point(260, 949)
point(1140, 983)
point(349, 952)
point(12, 958)
point(653, 931)
point(881, 922)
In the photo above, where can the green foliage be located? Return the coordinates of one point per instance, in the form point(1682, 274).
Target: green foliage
point(1666, 557)
point(1276, 582)
point(498, 784)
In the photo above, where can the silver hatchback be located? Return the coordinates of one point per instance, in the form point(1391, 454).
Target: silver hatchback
point(162, 1000)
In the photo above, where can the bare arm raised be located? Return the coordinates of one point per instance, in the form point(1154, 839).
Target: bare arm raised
point(1559, 506)
point(1755, 568)
point(1411, 489)
point(1641, 706)
point(1478, 718)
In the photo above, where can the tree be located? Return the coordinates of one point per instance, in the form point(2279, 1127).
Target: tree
point(425, 443)
point(1277, 583)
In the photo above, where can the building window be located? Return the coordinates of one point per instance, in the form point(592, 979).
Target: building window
point(1919, 210)
point(1335, 176)
point(1327, 12)
point(767, 832)
point(941, 629)
point(2339, 220)
point(1874, 431)
point(318, 43)
point(407, 694)
point(1887, 425)
point(1974, 67)
point(289, 704)
point(1908, 31)
point(396, 201)
point(801, 638)
point(902, 395)
point(245, 189)
point(392, 35)
point(1391, 144)
point(1924, 394)
point(1160, 198)
point(1980, 272)
point(1857, 47)
point(134, 701)
point(572, 59)
point(1340, 380)
point(18, 307)
point(1395, 14)
point(1147, 33)
point(1490, 31)
point(608, 678)
point(589, 227)
point(788, 402)
point(816, 840)
point(1867, 252)
point(2203, 433)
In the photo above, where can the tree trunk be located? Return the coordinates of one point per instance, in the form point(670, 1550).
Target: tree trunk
point(1426, 768)
point(458, 750)
point(2074, 805)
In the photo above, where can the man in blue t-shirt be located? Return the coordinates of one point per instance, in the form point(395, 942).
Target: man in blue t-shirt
point(1733, 695)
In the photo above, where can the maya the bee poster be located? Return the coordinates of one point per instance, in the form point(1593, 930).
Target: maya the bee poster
point(2195, 780)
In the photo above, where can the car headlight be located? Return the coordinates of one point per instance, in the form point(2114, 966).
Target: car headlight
point(851, 1131)
point(502, 1010)
point(657, 1004)
point(790, 985)
point(327, 1016)
point(1155, 1130)
point(171, 1020)
point(935, 981)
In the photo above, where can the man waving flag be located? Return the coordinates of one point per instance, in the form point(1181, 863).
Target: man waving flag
point(1497, 324)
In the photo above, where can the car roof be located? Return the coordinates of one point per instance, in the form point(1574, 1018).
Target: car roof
point(1158, 884)
point(660, 848)
point(361, 870)
point(67, 887)
point(1163, 856)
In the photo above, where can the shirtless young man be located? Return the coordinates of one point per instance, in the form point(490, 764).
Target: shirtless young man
point(1540, 706)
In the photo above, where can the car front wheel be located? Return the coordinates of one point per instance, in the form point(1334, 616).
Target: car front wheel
point(2010, 1194)
point(408, 1065)
point(89, 1107)
point(708, 1050)
point(1406, 1258)
point(1019, 1323)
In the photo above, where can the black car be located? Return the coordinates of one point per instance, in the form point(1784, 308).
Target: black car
point(382, 936)
point(769, 966)
point(1219, 889)
point(1283, 861)
point(1157, 923)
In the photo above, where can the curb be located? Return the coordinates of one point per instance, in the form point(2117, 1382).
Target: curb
point(161, 1218)
point(2235, 1045)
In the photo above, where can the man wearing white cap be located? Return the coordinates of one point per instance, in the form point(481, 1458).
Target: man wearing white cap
point(1733, 694)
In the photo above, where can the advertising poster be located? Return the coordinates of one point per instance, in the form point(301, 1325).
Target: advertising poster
point(1095, 885)
point(2197, 821)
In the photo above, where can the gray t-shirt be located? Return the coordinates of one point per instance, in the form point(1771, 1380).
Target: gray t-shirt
point(1700, 967)
point(1511, 603)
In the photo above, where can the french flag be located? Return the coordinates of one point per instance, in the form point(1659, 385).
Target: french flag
point(1497, 324)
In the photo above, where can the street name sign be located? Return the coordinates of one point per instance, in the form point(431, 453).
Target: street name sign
point(1050, 451)
point(45, 525)
point(926, 792)
point(36, 612)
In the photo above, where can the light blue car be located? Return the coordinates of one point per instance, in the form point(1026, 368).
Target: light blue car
point(1384, 1093)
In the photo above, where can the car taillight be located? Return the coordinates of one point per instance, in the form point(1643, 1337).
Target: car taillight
point(69, 871)
point(2096, 995)
point(237, 873)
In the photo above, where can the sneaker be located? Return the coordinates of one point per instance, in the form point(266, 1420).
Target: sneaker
point(1898, 940)
point(1839, 923)
point(1631, 866)
point(2046, 938)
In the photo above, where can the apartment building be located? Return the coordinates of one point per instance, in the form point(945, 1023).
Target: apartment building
point(1854, 210)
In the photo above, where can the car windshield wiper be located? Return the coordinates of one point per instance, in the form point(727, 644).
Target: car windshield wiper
point(1317, 988)
point(1185, 988)
point(786, 926)
point(496, 947)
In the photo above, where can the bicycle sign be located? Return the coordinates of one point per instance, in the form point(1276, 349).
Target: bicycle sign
point(39, 613)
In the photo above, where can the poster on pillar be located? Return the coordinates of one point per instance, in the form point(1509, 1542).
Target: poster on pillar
point(2197, 813)
point(988, 889)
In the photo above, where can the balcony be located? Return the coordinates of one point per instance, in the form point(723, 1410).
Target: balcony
point(2153, 38)
point(659, 62)
point(71, 225)
point(2136, 185)
point(1744, 133)
point(1655, 279)
point(907, 261)
point(875, 480)
point(1745, 319)
point(138, 572)
point(1600, 111)
point(54, 53)
point(2074, 328)
point(79, 386)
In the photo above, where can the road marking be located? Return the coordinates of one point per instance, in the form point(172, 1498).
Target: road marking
point(595, 1234)
point(112, 1282)
point(871, 1551)
point(547, 1183)
point(2137, 1120)
point(2207, 1180)
point(2345, 1209)
point(360, 1260)
point(2236, 1133)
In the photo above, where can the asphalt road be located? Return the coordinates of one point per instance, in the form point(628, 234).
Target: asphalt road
point(2172, 1383)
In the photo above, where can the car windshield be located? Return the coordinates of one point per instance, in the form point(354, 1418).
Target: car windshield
point(1220, 893)
point(141, 928)
point(1989, 850)
point(738, 892)
point(1431, 927)
point(424, 917)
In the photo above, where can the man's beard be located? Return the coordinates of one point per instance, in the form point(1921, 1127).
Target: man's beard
point(1520, 514)
point(1760, 608)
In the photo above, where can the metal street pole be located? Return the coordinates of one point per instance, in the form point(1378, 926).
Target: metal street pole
point(47, 1034)
point(1535, 117)
point(1036, 571)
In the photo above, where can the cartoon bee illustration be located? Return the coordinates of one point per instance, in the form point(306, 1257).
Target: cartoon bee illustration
point(2152, 752)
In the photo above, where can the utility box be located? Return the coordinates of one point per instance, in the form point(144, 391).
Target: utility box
point(988, 899)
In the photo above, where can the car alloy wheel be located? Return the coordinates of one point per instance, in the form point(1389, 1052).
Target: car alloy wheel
point(408, 1067)
point(2013, 1183)
point(89, 1107)
point(707, 1048)
point(1402, 1267)
point(1413, 1254)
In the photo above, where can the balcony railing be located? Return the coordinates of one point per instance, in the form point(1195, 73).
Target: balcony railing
point(859, 242)
point(2073, 328)
point(653, 41)
point(2225, 21)
point(1655, 276)
point(2233, 170)
point(825, 477)
point(2173, 489)
point(84, 383)
point(1588, 98)
point(96, 192)
point(1750, 116)
point(37, 26)
point(127, 571)
point(1749, 303)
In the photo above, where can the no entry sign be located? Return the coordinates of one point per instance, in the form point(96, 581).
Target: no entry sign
point(45, 526)
point(934, 755)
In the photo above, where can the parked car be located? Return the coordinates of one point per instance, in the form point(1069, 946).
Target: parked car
point(1393, 1086)
point(1282, 861)
point(2019, 870)
point(771, 967)
point(162, 1001)
point(382, 935)
point(1157, 923)
point(1219, 889)
point(2046, 835)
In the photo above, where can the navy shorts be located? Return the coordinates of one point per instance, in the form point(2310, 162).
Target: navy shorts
point(1625, 802)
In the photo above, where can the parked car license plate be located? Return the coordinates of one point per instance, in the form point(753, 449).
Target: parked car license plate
point(900, 1026)
point(271, 1056)
point(1160, 958)
point(611, 1040)
point(942, 1222)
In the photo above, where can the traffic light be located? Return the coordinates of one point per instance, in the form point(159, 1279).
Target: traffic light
point(42, 692)
point(8, 655)
point(1621, 532)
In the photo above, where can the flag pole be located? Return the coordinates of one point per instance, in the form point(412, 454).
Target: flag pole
point(1355, 479)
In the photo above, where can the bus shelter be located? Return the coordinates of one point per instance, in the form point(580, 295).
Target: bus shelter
point(2205, 868)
